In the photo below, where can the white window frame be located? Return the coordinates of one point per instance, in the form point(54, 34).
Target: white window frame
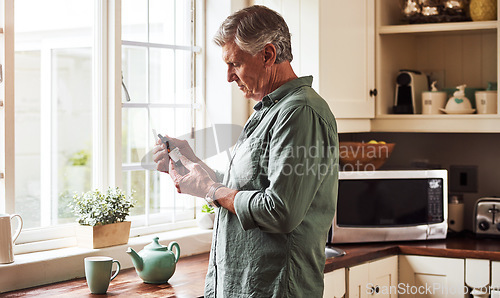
point(107, 130)
point(106, 65)
point(7, 178)
point(148, 223)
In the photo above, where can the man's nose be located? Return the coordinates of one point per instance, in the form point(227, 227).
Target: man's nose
point(231, 76)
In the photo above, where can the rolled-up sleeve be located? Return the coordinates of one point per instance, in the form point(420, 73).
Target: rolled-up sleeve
point(301, 154)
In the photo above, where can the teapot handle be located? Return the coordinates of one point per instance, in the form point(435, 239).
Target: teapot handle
point(177, 251)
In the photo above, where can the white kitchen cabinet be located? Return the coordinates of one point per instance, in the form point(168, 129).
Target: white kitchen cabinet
point(452, 53)
point(422, 276)
point(477, 276)
point(334, 42)
point(354, 47)
point(377, 278)
point(335, 284)
point(495, 279)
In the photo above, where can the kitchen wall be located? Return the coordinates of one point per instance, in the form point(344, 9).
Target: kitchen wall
point(445, 149)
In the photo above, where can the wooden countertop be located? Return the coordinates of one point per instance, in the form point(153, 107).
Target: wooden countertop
point(188, 281)
point(463, 245)
point(189, 277)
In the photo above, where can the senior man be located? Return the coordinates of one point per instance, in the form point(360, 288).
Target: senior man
point(277, 198)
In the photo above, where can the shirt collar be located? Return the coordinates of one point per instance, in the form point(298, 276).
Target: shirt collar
point(282, 91)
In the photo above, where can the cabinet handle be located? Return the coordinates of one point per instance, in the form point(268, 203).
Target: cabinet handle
point(1, 175)
point(373, 92)
point(375, 290)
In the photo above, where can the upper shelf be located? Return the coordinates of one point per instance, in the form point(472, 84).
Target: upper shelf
point(438, 27)
point(471, 123)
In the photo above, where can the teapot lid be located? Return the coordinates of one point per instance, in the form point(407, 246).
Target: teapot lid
point(155, 245)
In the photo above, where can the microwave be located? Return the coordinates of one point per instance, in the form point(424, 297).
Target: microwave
point(375, 206)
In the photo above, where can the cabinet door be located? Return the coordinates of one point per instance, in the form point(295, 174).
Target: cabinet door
point(377, 278)
point(335, 284)
point(358, 281)
point(495, 277)
point(421, 276)
point(383, 276)
point(347, 57)
point(334, 41)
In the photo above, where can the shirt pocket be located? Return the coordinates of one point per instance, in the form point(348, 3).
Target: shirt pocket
point(246, 162)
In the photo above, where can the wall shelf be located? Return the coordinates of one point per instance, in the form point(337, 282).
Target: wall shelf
point(472, 123)
point(439, 27)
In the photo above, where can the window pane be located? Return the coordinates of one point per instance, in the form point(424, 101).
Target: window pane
point(183, 76)
point(183, 123)
point(135, 73)
point(162, 195)
point(157, 75)
point(28, 160)
point(53, 89)
point(135, 20)
point(163, 120)
point(183, 22)
point(134, 182)
point(162, 21)
point(72, 124)
point(135, 135)
point(162, 75)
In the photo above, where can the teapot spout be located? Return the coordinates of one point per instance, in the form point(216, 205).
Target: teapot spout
point(136, 259)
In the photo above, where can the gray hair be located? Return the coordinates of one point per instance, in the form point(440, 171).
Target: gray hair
point(254, 27)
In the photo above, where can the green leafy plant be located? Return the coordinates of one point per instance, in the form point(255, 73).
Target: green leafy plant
point(207, 209)
point(96, 208)
point(80, 158)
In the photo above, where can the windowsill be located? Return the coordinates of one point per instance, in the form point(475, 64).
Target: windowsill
point(39, 268)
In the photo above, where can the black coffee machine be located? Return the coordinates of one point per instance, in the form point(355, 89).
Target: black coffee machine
point(409, 87)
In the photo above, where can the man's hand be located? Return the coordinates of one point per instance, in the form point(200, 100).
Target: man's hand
point(162, 160)
point(160, 155)
point(196, 182)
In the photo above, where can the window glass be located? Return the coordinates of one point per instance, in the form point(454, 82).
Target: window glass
point(135, 20)
point(183, 28)
point(135, 139)
point(158, 74)
point(162, 78)
point(53, 112)
point(135, 73)
point(162, 21)
point(183, 76)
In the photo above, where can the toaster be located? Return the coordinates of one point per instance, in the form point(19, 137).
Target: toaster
point(487, 217)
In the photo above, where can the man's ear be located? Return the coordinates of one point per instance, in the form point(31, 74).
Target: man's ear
point(269, 54)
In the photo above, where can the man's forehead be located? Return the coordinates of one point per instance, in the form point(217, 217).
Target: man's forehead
point(231, 52)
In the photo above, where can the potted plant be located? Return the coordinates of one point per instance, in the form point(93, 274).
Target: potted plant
point(101, 216)
point(206, 220)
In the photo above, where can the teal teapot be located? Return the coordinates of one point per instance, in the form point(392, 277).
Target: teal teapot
point(155, 264)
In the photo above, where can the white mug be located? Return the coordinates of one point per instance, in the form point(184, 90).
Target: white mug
point(432, 101)
point(6, 238)
point(486, 102)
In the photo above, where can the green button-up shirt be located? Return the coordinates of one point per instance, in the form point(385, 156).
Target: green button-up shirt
point(285, 166)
